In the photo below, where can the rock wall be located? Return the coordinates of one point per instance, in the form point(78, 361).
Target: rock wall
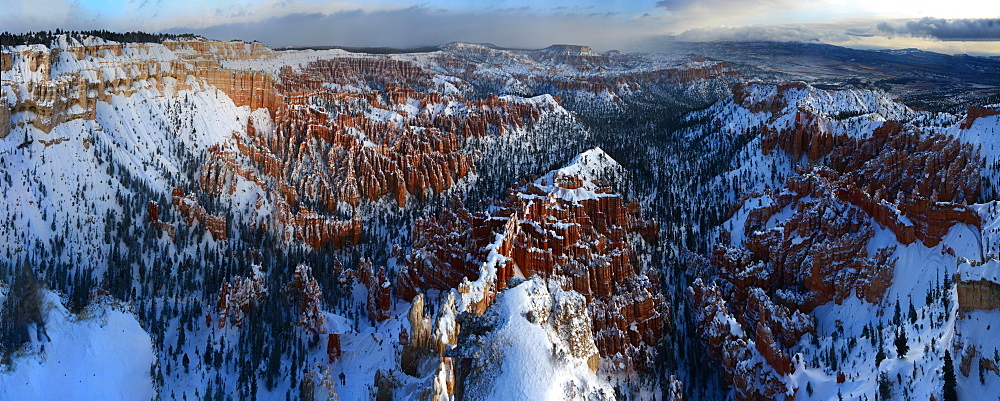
point(977, 113)
point(71, 90)
point(246, 88)
point(190, 209)
point(978, 295)
point(4, 117)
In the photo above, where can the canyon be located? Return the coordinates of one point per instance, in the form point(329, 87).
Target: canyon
point(475, 222)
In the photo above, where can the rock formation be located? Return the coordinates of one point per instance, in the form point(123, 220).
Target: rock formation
point(379, 303)
point(571, 230)
point(307, 297)
point(978, 295)
point(895, 175)
point(238, 296)
point(189, 207)
point(4, 117)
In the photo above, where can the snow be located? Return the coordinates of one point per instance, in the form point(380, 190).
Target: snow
point(103, 354)
point(476, 290)
point(591, 166)
point(989, 271)
point(528, 369)
point(920, 271)
point(990, 214)
point(979, 332)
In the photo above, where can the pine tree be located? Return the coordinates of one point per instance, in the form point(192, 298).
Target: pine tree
point(902, 344)
point(950, 382)
point(884, 389)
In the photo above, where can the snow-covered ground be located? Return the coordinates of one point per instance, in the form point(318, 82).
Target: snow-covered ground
point(100, 354)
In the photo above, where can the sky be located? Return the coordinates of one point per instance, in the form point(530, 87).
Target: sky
point(946, 26)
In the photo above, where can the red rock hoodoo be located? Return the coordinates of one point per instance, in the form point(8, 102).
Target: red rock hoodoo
point(913, 183)
point(582, 242)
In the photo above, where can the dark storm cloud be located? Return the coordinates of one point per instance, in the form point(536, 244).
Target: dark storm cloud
point(418, 26)
point(944, 29)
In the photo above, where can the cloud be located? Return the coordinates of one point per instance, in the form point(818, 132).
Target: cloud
point(733, 6)
point(667, 4)
point(519, 24)
point(943, 29)
point(974, 48)
point(769, 33)
point(863, 33)
point(420, 26)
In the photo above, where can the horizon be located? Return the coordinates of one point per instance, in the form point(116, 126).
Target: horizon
point(955, 27)
point(423, 48)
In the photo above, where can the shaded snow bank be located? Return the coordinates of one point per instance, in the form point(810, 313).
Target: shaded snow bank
point(102, 354)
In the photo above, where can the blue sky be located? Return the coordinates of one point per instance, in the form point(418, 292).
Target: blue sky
point(628, 25)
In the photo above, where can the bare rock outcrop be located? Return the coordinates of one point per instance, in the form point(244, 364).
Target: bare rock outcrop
point(239, 295)
point(307, 297)
point(978, 295)
point(189, 208)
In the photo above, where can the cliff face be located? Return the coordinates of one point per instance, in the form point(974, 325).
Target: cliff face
point(66, 83)
point(4, 117)
point(978, 295)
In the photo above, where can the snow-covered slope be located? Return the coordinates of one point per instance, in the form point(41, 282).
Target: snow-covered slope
point(891, 318)
point(538, 348)
point(102, 353)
